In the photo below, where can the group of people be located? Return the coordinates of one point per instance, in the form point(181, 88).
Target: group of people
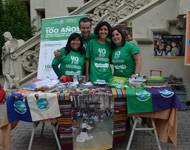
point(169, 48)
point(92, 54)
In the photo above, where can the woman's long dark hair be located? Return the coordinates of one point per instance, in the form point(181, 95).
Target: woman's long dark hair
point(68, 47)
point(123, 36)
point(99, 25)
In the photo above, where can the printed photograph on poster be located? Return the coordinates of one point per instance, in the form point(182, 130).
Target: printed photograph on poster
point(168, 45)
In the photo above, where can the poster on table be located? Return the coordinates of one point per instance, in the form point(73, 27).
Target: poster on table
point(168, 46)
point(187, 45)
point(54, 35)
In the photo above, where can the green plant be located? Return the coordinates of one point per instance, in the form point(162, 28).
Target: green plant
point(15, 19)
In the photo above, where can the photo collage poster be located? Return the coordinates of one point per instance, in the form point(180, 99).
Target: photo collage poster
point(168, 45)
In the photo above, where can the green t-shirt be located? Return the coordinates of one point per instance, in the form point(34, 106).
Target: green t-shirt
point(123, 60)
point(99, 56)
point(86, 41)
point(70, 64)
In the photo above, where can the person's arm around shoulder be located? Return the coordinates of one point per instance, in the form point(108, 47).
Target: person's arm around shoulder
point(58, 52)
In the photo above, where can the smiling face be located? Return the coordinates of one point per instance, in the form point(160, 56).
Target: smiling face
point(85, 28)
point(75, 43)
point(116, 37)
point(168, 48)
point(103, 32)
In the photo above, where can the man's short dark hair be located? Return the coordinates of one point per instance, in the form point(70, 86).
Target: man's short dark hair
point(85, 19)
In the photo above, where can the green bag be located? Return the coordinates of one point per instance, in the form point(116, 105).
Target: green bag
point(138, 100)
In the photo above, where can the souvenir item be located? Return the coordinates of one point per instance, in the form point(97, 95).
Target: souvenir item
point(17, 108)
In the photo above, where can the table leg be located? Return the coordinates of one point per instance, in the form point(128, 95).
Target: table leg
point(42, 130)
point(143, 129)
point(35, 124)
point(132, 134)
point(56, 137)
point(156, 134)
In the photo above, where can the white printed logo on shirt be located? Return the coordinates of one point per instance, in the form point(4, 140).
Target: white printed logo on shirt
point(102, 52)
point(74, 60)
point(117, 54)
point(99, 65)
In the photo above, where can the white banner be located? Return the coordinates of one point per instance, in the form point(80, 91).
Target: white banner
point(54, 35)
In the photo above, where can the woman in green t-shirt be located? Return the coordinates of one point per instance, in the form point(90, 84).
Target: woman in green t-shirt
point(72, 59)
point(98, 54)
point(126, 57)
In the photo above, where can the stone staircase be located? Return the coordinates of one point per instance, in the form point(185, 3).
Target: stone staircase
point(156, 20)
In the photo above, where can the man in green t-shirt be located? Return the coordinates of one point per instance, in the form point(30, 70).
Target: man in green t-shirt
point(85, 26)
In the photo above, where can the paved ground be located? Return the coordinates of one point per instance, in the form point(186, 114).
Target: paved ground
point(142, 140)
